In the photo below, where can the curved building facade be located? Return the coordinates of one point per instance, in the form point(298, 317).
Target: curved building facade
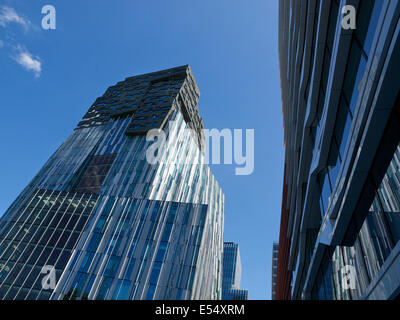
point(341, 107)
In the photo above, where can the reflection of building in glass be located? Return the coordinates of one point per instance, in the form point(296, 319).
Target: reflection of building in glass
point(275, 248)
point(110, 225)
point(340, 223)
point(232, 273)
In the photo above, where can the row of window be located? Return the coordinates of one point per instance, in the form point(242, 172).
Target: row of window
point(354, 76)
point(329, 281)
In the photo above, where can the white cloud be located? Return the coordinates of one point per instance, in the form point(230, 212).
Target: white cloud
point(22, 56)
point(28, 61)
point(9, 15)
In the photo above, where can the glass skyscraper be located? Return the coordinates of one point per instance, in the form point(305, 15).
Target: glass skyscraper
point(232, 273)
point(339, 236)
point(101, 222)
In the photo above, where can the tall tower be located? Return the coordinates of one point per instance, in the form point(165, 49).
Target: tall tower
point(232, 273)
point(99, 221)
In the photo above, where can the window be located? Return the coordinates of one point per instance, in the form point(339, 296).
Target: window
point(326, 191)
point(162, 248)
point(150, 292)
point(112, 266)
point(104, 288)
point(122, 290)
point(155, 273)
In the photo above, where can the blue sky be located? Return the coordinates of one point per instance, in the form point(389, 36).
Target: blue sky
point(49, 79)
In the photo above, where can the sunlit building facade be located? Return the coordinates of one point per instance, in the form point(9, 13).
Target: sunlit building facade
point(99, 221)
point(339, 236)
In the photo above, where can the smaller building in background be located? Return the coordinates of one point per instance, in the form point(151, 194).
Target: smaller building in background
point(275, 247)
point(232, 273)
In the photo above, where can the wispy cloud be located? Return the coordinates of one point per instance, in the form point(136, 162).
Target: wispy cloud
point(28, 61)
point(21, 55)
point(9, 15)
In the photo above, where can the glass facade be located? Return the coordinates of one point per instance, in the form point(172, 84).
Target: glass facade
point(110, 224)
point(44, 233)
point(232, 273)
point(374, 243)
point(341, 185)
